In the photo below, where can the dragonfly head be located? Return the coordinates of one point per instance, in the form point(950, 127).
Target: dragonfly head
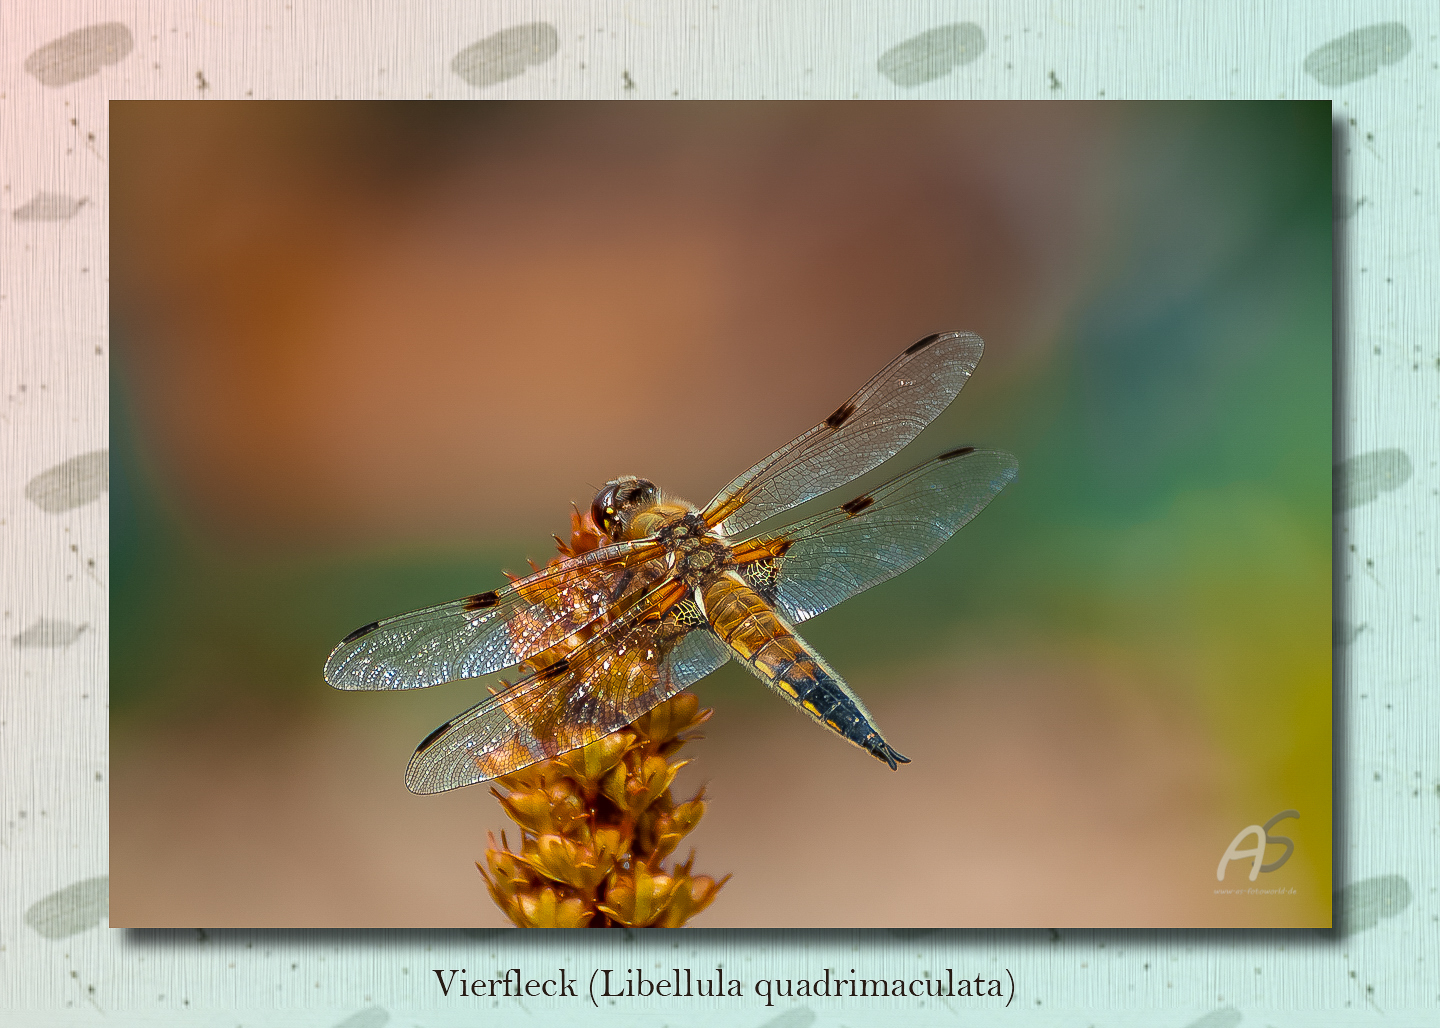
point(619, 501)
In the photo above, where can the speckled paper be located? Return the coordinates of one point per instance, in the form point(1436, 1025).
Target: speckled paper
point(59, 962)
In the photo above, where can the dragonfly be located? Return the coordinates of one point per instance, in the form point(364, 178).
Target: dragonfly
point(654, 594)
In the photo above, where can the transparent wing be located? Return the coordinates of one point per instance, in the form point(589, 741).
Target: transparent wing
point(868, 429)
point(823, 560)
point(602, 686)
point(484, 633)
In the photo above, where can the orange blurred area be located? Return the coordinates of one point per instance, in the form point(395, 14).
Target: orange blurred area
point(361, 329)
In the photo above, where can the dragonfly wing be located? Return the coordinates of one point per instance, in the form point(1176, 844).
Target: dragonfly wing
point(823, 560)
point(602, 686)
point(869, 428)
point(481, 634)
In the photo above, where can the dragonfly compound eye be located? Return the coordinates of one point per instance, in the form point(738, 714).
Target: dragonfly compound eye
point(621, 500)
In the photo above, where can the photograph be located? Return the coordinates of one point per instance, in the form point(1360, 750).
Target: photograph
point(725, 514)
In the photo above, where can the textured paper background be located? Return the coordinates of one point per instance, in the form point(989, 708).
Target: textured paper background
point(59, 964)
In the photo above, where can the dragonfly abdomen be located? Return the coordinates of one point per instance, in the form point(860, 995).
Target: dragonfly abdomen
point(774, 652)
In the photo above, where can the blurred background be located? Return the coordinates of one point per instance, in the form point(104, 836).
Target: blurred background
point(365, 356)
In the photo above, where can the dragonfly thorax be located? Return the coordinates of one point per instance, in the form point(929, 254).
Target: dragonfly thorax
point(698, 555)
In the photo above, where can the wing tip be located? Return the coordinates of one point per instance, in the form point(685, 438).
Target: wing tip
point(420, 788)
point(333, 675)
point(959, 336)
point(1009, 463)
point(418, 779)
point(334, 664)
point(429, 773)
point(424, 778)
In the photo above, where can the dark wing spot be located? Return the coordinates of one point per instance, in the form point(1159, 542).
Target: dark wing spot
point(952, 454)
point(842, 415)
point(429, 740)
point(480, 601)
point(557, 668)
point(359, 632)
point(856, 505)
point(917, 347)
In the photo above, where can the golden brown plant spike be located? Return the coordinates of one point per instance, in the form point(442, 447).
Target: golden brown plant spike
point(598, 823)
point(596, 827)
